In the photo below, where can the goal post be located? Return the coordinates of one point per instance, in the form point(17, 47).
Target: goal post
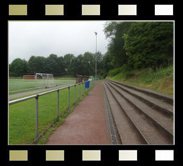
point(44, 80)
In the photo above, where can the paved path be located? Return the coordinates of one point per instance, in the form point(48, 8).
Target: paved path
point(87, 124)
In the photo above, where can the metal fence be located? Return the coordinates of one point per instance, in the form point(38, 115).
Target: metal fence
point(81, 92)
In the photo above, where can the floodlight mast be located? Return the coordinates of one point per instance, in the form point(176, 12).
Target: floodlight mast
point(96, 57)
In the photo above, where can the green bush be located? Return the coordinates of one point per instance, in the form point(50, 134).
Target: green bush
point(114, 71)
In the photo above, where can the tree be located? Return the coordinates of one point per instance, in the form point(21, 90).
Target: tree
point(107, 62)
point(110, 29)
point(18, 67)
point(37, 64)
point(78, 65)
point(98, 56)
point(25, 67)
point(149, 44)
point(69, 60)
point(52, 64)
point(88, 63)
point(61, 66)
point(115, 31)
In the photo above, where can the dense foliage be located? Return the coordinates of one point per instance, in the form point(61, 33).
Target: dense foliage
point(138, 45)
point(149, 44)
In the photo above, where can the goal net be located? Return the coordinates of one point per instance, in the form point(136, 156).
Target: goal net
point(44, 80)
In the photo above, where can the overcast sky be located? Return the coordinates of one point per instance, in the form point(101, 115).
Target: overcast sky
point(42, 38)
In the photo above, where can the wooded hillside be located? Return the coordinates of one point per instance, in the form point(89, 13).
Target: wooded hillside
point(138, 45)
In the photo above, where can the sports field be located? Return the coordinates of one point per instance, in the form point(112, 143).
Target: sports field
point(21, 85)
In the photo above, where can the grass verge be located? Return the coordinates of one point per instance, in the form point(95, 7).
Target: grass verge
point(160, 80)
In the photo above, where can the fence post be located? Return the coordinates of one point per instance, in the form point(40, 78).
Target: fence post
point(85, 87)
point(90, 84)
point(75, 94)
point(57, 105)
point(80, 91)
point(68, 97)
point(36, 79)
point(82, 88)
point(36, 116)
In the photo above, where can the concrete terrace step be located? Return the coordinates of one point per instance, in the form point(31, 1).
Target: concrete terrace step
point(167, 98)
point(125, 127)
point(136, 105)
point(150, 100)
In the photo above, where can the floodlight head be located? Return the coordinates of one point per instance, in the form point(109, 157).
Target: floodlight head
point(95, 33)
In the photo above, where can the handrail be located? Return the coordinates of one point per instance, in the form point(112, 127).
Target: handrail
point(22, 99)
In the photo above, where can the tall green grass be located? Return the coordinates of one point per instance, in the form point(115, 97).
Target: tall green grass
point(22, 115)
point(160, 80)
point(115, 71)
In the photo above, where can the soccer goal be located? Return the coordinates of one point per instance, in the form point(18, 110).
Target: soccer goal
point(44, 80)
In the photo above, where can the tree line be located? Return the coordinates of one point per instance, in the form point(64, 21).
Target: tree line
point(138, 45)
point(56, 65)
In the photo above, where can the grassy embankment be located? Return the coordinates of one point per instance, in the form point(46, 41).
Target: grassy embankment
point(22, 116)
point(160, 80)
